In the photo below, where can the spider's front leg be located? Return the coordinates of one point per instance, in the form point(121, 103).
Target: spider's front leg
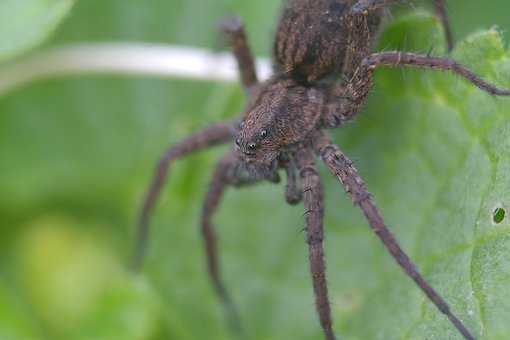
point(225, 175)
point(314, 210)
point(343, 169)
point(208, 137)
point(367, 5)
point(231, 172)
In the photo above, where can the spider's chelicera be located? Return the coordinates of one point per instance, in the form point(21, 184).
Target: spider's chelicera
point(323, 73)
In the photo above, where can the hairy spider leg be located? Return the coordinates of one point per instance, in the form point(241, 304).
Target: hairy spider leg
point(369, 5)
point(440, 6)
point(217, 186)
point(224, 175)
point(314, 209)
point(428, 62)
point(208, 137)
point(442, 14)
point(349, 99)
point(220, 133)
point(227, 173)
point(346, 100)
point(342, 168)
point(233, 29)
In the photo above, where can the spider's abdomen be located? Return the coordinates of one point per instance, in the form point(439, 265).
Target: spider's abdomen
point(312, 37)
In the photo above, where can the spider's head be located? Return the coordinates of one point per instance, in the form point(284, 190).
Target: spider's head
point(257, 140)
point(280, 113)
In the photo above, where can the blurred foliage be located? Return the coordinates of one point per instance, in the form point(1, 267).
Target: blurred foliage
point(76, 155)
point(27, 23)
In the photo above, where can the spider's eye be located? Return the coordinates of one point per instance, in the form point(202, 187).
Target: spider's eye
point(263, 134)
point(252, 146)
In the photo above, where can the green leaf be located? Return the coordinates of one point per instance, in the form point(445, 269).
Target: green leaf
point(77, 287)
point(14, 322)
point(433, 149)
point(25, 24)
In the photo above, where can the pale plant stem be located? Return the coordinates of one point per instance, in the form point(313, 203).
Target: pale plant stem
point(155, 60)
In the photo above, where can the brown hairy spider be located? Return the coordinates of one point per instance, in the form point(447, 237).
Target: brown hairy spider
point(323, 74)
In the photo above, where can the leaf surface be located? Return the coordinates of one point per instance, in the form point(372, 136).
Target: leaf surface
point(25, 24)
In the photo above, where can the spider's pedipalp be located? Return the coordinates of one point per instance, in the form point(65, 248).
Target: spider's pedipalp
point(342, 168)
point(293, 191)
point(208, 137)
point(314, 214)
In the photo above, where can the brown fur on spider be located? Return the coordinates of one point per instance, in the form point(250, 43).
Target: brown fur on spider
point(323, 74)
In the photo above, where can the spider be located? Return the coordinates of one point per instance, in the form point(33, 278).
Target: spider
point(323, 72)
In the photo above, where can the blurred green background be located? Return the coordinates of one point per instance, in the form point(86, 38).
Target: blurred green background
point(76, 155)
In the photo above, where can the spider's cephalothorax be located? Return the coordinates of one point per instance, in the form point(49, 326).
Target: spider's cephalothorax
point(323, 74)
point(281, 114)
